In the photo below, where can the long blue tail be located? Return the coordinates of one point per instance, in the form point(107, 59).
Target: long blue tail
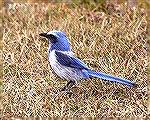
point(110, 77)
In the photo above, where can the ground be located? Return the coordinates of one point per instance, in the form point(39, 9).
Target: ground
point(112, 42)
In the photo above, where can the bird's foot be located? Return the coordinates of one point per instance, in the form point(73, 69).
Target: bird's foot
point(68, 86)
point(65, 89)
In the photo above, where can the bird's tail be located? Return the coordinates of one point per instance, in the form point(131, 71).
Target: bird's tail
point(111, 78)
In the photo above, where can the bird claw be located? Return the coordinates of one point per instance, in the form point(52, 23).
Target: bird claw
point(65, 89)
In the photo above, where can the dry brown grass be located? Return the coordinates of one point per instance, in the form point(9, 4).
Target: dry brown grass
point(114, 43)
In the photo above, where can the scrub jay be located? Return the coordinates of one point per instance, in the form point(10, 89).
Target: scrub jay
point(69, 67)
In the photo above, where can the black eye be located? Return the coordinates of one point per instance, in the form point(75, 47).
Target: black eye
point(52, 38)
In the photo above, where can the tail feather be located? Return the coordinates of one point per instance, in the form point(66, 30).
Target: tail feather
point(111, 77)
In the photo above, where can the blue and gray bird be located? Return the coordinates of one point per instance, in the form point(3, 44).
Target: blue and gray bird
point(69, 67)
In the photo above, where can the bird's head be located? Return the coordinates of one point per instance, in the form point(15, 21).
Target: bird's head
point(57, 40)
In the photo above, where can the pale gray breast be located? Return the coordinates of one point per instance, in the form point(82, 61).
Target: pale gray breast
point(64, 72)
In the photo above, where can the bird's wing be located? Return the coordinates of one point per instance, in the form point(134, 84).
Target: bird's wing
point(70, 61)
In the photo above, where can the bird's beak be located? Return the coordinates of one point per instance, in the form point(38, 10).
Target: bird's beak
point(43, 34)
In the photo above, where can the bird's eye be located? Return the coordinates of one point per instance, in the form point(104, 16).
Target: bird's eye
point(53, 38)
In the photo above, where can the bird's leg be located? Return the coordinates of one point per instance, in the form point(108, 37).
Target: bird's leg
point(65, 88)
point(68, 85)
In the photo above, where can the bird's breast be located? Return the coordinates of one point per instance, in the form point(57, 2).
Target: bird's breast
point(65, 72)
point(52, 58)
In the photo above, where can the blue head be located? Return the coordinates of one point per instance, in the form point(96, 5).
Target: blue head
point(57, 40)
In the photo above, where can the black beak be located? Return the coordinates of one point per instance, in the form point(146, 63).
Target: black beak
point(43, 34)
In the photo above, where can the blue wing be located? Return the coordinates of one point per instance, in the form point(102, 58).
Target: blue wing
point(70, 61)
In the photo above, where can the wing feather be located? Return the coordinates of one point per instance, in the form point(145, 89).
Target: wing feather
point(70, 61)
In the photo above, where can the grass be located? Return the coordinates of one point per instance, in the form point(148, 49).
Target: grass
point(115, 43)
